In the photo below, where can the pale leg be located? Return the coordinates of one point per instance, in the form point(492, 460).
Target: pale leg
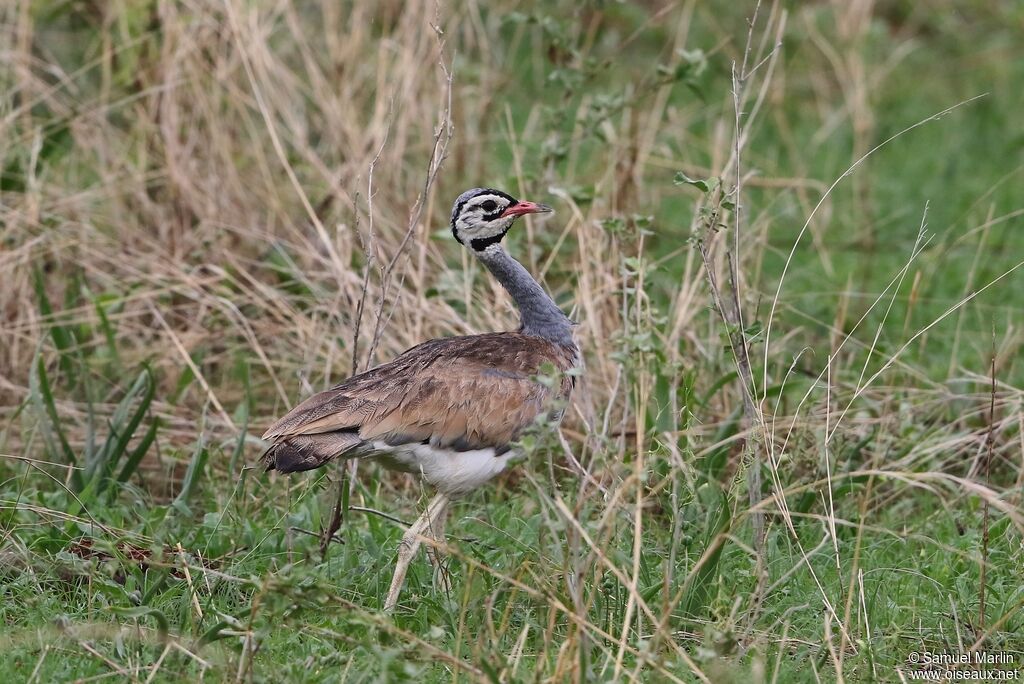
point(410, 544)
point(442, 580)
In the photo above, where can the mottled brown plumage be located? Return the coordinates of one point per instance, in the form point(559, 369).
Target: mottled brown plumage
point(459, 393)
point(449, 409)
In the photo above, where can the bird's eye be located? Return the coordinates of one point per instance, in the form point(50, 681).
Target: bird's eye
point(489, 206)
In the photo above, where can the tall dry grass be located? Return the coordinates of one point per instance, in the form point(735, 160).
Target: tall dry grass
point(261, 147)
point(269, 184)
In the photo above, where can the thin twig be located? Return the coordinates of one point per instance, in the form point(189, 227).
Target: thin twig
point(382, 514)
point(438, 154)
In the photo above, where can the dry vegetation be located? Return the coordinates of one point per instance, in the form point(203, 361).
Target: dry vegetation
point(210, 209)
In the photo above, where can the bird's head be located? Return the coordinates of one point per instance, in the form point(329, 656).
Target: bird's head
point(482, 216)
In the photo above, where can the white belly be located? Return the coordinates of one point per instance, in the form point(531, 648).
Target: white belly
point(452, 472)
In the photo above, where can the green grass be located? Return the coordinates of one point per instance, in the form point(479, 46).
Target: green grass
point(167, 294)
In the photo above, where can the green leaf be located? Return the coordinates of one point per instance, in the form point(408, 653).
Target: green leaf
point(131, 464)
point(216, 633)
point(42, 396)
point(192, 475)
point(719, 521)
point(63, 337)
point(702, 185)
point(123, 424)
point(137, 612)
point(242, 417)
point(109, 332)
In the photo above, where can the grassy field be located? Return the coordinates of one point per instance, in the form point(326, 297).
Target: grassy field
point(791, 234)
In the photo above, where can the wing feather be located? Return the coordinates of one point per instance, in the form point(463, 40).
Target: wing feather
point(462, 392)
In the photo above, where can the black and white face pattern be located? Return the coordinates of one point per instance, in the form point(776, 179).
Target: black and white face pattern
point(482, 216)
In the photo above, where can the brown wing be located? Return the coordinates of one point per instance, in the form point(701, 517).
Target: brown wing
point(461, 392)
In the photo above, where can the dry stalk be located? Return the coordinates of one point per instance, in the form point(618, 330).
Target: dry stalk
point(989, 452)
point(438, 153)
point(728, 303)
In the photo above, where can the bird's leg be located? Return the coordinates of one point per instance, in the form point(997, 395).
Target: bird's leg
point(410, 544)
point(442, 580)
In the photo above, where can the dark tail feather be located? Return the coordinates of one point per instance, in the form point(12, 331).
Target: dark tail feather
point(306, 452)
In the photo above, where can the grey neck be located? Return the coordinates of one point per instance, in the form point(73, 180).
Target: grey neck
point(539, 315)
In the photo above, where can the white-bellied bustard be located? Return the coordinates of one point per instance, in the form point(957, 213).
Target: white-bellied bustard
point(449, 409)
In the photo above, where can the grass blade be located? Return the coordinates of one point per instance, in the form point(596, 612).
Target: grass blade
point(123, 425)
point(39, 386)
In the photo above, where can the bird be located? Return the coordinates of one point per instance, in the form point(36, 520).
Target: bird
point(450, 409)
